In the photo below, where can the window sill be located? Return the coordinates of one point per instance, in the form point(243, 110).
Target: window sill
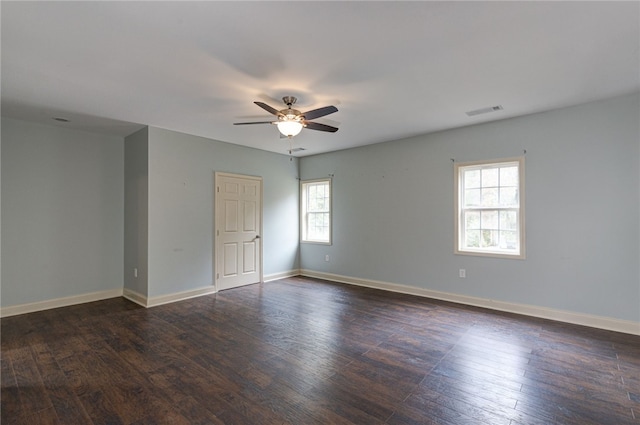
point(317, 242)
point(491, 254)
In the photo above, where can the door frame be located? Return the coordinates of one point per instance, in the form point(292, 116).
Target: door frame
point(217, 225)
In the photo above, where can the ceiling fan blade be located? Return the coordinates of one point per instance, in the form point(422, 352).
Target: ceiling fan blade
point(320, 127)
point(320, 112)
point(268, 108)
point(255, 122)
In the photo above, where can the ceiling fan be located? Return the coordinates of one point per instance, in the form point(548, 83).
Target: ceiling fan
point(291, 121)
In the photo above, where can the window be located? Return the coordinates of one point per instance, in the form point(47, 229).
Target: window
point(315, 211)
point(489, 208)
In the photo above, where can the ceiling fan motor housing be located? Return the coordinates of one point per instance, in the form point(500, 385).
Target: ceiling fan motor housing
point(289, 100)
point(290, 115)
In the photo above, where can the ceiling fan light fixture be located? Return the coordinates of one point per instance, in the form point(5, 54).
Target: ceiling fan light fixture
point(289, 128)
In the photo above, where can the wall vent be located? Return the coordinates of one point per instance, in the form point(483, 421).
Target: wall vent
point(485, 110)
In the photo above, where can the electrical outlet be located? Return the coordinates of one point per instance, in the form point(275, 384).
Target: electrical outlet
point(326, 258)
point(462, 273)
point(135, 272)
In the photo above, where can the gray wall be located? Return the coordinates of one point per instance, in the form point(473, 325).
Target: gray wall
point(63, 209)
point(394, 219)
point(181, 174)
point(136, 211)
point(62, 212)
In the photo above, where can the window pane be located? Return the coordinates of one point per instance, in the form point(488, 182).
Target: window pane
point(318, 226)
point(311, 221)
point(489, 220)
point(509, 196)
point(508, 220)
point(509, 240)
point(509, 176)
point(472, 198)
point(472, 179)
point(472, 220)
point(318, 197)
point(490, 238)
point(472, 239)
point(490, 197)
point(490, 177)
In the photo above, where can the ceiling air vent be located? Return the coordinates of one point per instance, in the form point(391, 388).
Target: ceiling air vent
point(485, 110)
point(297, 150)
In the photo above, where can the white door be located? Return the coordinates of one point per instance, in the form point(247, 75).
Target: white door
point(238, 227)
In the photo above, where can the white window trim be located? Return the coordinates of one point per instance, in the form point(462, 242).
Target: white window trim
point(303, 210)
point(459, 217)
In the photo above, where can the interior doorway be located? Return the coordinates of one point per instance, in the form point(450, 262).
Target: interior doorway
point(238, 230)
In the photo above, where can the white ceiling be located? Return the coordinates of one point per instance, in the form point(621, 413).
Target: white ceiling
point(393, 69)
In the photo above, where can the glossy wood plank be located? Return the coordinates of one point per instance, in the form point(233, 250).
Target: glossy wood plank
point(10, 408)
point(306, 351)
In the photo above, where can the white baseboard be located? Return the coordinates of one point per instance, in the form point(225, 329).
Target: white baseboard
point(600, 322)
point(135, 297)
point(166, 299)
point(281, 275)
point(179, 296)
point(14, 310)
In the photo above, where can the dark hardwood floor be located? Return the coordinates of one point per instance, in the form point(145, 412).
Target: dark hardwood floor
point(305, 351)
